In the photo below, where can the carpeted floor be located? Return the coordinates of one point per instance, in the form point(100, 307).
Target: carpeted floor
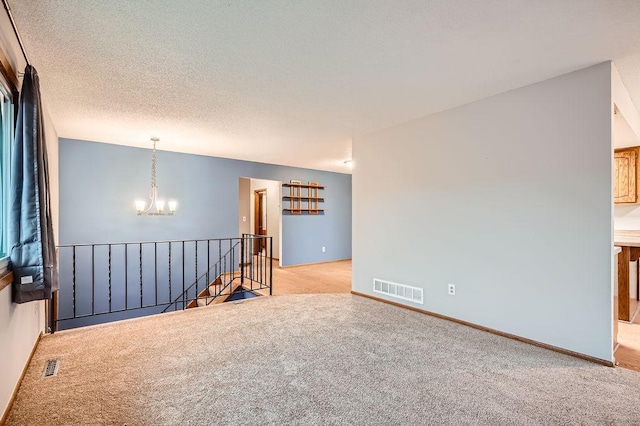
point(313, 359)
point(331, 277)
point(628, 353)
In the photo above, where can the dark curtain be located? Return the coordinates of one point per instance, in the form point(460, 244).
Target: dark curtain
point(33, 255)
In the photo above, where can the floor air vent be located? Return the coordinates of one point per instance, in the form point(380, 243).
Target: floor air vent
point(50, 368)
point(399, 291)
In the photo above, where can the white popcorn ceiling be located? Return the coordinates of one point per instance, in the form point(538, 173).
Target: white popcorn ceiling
point(292, 82)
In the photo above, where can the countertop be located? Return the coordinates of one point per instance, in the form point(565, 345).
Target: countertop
point(626, 238)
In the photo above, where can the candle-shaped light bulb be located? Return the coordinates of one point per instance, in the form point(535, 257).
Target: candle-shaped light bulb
point(172, 205)
point(160, 205)
point(139, 206)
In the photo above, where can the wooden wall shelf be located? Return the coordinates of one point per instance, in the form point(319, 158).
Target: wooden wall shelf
point(302, 185)
point(310, 198)
point(287, 197)
point(304, 211)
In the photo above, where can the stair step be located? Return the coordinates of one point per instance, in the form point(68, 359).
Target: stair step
point(203, 302)
point(213, 289)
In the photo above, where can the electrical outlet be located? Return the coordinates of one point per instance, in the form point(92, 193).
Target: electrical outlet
point(324, 249)
point(244, 218)
point(452, 289)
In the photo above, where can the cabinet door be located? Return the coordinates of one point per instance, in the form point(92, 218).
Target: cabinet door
point(625, 177)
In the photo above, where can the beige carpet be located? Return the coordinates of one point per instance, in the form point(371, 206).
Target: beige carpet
point(331, 277)
point(313, 359)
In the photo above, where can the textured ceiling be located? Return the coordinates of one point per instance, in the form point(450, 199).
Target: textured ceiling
point(291, 82)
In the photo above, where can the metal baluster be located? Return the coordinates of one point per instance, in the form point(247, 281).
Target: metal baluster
point(224, 274)
point(126, 276)
point(259, 260)
point(93, 279)
point(260, 247)
point(109, 277)
point(170, 295)
point(197, 280)
point(73, 288)
point(271, 267)
point(155, 265)
point(242, 260)
point(215, 274)
point(208, 262)
point(140, 267)
point(183, 275)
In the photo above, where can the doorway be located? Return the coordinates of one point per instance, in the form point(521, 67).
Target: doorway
point(260, 218)
point(260, 213)
point(626, 327)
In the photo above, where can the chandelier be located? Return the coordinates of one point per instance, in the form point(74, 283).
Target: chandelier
point(153, 194)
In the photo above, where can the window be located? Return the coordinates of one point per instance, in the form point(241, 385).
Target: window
point(6, 136)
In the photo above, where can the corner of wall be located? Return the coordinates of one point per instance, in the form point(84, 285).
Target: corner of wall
point(53, 156)
point(622, 100)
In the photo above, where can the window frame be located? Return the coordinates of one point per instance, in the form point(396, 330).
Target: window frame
point(9, 98)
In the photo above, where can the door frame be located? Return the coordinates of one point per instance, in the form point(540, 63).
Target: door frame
point(257, 218)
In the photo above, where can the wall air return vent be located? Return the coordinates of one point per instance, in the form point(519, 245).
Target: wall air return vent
point(399, 291)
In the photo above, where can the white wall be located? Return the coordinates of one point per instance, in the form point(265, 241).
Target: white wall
point(20, 325)
point(509, 198)
point(273, 210)
point(626, 132)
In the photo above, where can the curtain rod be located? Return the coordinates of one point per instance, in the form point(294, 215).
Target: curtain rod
point(15, 29)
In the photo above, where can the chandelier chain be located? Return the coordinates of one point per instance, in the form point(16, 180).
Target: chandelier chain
point(153, 167)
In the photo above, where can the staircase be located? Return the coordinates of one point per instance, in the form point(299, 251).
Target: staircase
point(215, 293)
point(253, 275)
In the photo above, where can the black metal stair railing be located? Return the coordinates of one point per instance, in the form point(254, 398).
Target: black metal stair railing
point(255, 273)
point(111, 281)
point(218, 271)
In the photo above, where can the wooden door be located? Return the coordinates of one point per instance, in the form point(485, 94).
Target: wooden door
point(625, 190)
point(260, 219)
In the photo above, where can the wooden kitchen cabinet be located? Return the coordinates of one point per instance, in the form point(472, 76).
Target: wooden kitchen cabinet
point(625, 190)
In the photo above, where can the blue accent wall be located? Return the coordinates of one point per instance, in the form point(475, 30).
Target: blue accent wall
point(98, 186)
point(99, 183)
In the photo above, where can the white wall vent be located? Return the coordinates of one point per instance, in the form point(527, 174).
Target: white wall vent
point(399, 291)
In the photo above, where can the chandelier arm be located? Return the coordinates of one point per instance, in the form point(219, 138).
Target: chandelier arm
point(154, 187)
point(152, 197)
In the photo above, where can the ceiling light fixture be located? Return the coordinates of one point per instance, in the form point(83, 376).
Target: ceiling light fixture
point(153, 194)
